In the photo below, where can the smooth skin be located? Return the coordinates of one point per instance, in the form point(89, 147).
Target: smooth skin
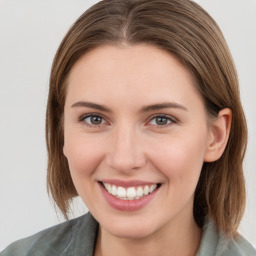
point(134, 113)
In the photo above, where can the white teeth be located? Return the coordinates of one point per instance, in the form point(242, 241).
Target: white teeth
point(152, 188)
point(121, 192)
point(146, 190)
point(130, 193)
point(139, 191)
point(109, 188)
point(114, 190)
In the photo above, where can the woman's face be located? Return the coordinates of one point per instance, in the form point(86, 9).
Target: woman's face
point(136, 135)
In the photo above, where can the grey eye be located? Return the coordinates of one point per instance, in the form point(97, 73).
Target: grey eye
point(161, 120)
point(94, 120)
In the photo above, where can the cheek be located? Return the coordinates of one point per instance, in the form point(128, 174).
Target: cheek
point(83, 153)
point(181, 158)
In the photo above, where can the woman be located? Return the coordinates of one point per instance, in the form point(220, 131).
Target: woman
point(145, 124)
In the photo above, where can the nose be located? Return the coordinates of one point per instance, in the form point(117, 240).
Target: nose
point(126, 151)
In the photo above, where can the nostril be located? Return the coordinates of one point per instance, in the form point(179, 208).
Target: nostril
point(125, 155)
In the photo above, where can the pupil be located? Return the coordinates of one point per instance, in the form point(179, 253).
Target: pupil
point(96, 120)
point(161, 121)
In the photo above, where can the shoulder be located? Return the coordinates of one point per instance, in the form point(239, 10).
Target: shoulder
point(241, 245)
point(215, 243)
point(57, 240)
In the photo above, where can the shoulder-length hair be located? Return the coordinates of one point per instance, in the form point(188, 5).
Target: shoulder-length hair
point(185, 30)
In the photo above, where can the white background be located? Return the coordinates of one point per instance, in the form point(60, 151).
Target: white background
point(30, 32)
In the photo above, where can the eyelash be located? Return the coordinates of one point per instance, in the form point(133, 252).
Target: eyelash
point(169, 119)
point(83, 117)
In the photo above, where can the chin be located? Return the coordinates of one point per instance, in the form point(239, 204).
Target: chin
point(130, 229)
point(131, 233)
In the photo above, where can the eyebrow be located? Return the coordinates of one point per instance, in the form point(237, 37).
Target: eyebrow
point(163, 106)
point(91, 105)
point(148, 108)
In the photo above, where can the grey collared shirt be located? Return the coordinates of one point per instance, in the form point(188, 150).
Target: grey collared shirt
point(77, 237)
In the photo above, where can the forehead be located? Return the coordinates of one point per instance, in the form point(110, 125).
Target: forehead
point(135, 61)
point(139, 72)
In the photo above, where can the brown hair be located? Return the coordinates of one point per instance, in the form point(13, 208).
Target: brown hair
point(185, 30)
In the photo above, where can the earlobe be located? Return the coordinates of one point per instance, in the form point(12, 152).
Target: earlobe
point(219, 134)
point(64, 150)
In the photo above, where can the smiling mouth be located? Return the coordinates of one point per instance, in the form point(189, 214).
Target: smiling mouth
point(129, 193)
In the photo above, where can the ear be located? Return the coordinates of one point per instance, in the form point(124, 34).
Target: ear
point(64, 150)
point(218, 135)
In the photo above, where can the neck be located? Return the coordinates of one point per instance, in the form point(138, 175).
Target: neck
point(179, 239)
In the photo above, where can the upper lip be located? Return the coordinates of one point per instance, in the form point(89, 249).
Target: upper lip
point(128, 183)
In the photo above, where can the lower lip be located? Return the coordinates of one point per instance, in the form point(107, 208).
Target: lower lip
point(127, 205)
